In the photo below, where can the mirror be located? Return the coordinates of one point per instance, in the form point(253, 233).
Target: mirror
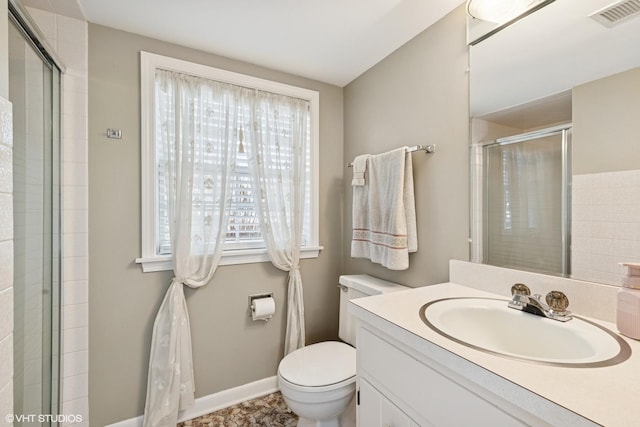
point(561, 66)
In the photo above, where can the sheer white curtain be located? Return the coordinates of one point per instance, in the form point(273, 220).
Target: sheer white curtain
point(279, 143)
point(196, 136)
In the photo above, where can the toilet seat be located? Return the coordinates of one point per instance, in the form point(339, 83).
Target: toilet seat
point(346, 386)
point(319, 367)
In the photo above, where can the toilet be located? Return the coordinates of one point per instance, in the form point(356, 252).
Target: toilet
point(318, 381)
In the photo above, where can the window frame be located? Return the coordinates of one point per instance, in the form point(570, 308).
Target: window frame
point(149, 62)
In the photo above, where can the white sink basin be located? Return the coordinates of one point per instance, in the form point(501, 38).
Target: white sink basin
point(489, 325)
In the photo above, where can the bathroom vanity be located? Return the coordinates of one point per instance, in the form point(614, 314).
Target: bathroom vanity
point(409, 375)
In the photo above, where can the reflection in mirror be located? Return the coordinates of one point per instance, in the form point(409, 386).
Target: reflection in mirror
point(525, 183)
point(559, 66)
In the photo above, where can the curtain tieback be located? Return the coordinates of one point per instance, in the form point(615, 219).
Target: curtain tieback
point(294, 273)
point(178, 281)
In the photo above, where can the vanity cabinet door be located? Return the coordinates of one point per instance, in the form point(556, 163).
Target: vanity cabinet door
point(375, 410)
point(422, 388)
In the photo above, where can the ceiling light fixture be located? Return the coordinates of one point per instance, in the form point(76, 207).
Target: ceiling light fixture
point(497, 11)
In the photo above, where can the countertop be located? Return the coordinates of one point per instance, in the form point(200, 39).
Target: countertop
point(607, 396)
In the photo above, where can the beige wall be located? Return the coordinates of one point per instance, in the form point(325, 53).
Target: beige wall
point(229, 349)
point(606, 128)
point(418, 95)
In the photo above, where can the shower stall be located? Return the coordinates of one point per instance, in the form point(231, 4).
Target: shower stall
point(525, 200)
point(34, 91)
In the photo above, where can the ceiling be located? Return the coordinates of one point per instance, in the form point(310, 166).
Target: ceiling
point(333, 41)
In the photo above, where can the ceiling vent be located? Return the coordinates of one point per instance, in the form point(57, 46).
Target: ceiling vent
point(617, 13)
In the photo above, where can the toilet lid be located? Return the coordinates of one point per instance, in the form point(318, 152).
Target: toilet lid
point(319, 364)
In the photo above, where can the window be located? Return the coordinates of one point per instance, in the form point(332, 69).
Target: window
point(243, 241)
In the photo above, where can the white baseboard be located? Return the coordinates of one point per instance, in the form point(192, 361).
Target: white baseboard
point(214, 402)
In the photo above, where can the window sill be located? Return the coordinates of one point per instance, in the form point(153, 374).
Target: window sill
point(245, 256)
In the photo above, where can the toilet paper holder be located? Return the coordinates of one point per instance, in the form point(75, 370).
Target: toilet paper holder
point(254, 297)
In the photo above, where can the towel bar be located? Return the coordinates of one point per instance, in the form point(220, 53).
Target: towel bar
point(428, 149)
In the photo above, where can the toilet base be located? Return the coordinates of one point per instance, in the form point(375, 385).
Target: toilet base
point(303, 422)
point(346, 419)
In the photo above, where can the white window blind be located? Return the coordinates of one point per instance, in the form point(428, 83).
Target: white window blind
point(243, 237)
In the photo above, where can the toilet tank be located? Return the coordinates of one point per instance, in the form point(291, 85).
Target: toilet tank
point(357, 286)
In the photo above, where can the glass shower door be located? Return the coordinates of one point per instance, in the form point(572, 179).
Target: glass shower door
point(34, 90)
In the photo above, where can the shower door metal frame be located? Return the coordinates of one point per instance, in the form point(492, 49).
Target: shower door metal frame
point(36, 40)
point(33, 34)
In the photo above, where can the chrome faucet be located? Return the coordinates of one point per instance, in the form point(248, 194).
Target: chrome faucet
point(555, 307)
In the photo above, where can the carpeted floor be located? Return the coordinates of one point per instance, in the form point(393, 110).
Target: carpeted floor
point(266, 411)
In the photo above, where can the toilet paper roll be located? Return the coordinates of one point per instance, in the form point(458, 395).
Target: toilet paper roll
point(263, 308)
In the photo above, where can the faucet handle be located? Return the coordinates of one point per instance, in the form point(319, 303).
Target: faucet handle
point(557, 301)
point(520, 289)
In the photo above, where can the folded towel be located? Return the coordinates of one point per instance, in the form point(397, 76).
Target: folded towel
point(359, 168)
point(384, 218)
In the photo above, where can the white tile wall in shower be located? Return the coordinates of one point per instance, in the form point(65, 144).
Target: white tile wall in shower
point(75, 269)
point(6, 368)
point(76, 363)
point(76, 339)
point(74, 387)
point(6, 169)
point(476, 197)
point(72, 42)
point(75, 221)
point(6, 215)
point(76, 292)
point(6, 313)
point(74, 200)
point(606, 225)
point(78, 407)
point(69, 37)
point(46, 23)
point(6, 402)
point(6, 266)
point(75, 316)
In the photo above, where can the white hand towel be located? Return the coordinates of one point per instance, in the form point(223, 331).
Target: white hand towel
point(384, 220)
point(359, 168)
